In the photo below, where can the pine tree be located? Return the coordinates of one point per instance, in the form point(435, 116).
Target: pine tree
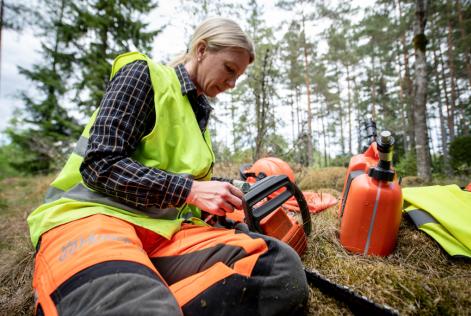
point(292, 59)
point(304, 16)
point(254, 95)
point(103, 30)
point(44, 129)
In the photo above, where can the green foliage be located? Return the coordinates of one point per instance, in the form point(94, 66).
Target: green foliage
point(78, 42)
point(340, 161)
point(102, 30)
point(7, 154)
point(257, 90)
point(33, 152)
point(44, 126)
point(407, 165)
point(15, 15)
point(460, 152)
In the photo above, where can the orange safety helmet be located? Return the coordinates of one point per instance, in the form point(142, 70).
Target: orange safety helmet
point(264, 167)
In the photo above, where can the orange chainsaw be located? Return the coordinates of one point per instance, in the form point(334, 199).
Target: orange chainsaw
point(263, 211)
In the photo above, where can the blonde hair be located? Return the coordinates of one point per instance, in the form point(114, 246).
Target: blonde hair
point(217, 33)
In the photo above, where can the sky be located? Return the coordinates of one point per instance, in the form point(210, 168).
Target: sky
point(22, 49)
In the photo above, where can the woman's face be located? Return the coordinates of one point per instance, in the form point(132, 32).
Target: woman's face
point(218, 71)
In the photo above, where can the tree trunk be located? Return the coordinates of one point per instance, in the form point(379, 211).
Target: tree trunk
point(349, 110)
point(261, 116)
point(409, 88)
point(373, 89)
point(421, 132)
point(341, 127)
point(324, 135)
point(298, 120)
point(449, 113)
point(443, 131)
point(262, 110)
point(451, 66)
point(291, 101)
point(308, 93)
point(464, 125)
point(51, 90)
point(358, 114)
point(233, 119)
point(402, 101)
point(463, 38)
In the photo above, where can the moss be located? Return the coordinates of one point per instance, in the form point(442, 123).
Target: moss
point(420, 42)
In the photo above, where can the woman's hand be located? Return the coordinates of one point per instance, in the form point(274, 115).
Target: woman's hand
point(215, 197)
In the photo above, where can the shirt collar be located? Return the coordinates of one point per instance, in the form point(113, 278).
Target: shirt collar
point(184, 78)
point(188, 87)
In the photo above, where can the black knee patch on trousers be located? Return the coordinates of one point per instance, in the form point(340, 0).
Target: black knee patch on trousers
point(285, 289)
point(277, 286)
point(115, 288)
point(176, 268)
point(234, 295)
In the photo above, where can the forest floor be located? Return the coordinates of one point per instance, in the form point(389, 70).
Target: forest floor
point(417, 278)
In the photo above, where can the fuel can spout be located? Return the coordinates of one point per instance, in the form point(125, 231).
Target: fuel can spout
point(385, 145)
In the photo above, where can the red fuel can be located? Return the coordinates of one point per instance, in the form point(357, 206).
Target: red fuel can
point(370, 213)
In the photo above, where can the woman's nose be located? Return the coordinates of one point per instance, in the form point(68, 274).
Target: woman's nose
point(231, 83)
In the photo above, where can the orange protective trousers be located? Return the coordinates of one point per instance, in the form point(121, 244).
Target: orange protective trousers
point(106, 266)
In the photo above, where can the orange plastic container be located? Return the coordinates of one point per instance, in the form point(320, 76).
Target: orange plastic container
point(371, 217)
point(359, 164)
point(370, 210)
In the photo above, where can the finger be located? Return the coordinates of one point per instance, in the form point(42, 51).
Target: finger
point(216, 211)
point(235, 201)
point(219, 212)
point(234, 190)
point(226, 207)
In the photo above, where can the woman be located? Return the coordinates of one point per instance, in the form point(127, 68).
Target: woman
point(120, 232)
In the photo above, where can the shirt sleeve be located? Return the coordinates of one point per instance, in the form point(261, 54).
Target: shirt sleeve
point(123, 119)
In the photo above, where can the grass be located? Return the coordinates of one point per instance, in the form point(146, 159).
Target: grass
point(417, 278)
point(18, 196)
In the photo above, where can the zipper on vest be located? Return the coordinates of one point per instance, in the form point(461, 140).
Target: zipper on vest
point(209, 170)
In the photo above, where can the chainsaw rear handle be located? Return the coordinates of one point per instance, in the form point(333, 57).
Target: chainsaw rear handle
point(265, 187)
point(243, 174)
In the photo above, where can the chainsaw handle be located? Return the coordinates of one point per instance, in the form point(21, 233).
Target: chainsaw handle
point(243, 174)
point(261, 190)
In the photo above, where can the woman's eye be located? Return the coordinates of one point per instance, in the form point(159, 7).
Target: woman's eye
point(229, 69)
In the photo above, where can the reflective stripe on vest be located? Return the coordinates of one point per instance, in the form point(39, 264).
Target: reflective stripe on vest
point(420, 217)
point(81, 146)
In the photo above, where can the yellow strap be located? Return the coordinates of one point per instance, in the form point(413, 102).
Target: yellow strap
point(125, 59)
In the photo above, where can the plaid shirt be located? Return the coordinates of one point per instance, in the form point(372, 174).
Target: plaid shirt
point(127, 114)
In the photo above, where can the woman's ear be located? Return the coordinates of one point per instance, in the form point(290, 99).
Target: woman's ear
point(200, 50)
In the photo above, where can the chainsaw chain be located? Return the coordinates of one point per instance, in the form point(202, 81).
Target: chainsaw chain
point(358, 304)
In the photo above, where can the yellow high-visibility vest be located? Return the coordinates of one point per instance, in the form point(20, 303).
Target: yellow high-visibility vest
point(444, 213)
point(175, 145)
